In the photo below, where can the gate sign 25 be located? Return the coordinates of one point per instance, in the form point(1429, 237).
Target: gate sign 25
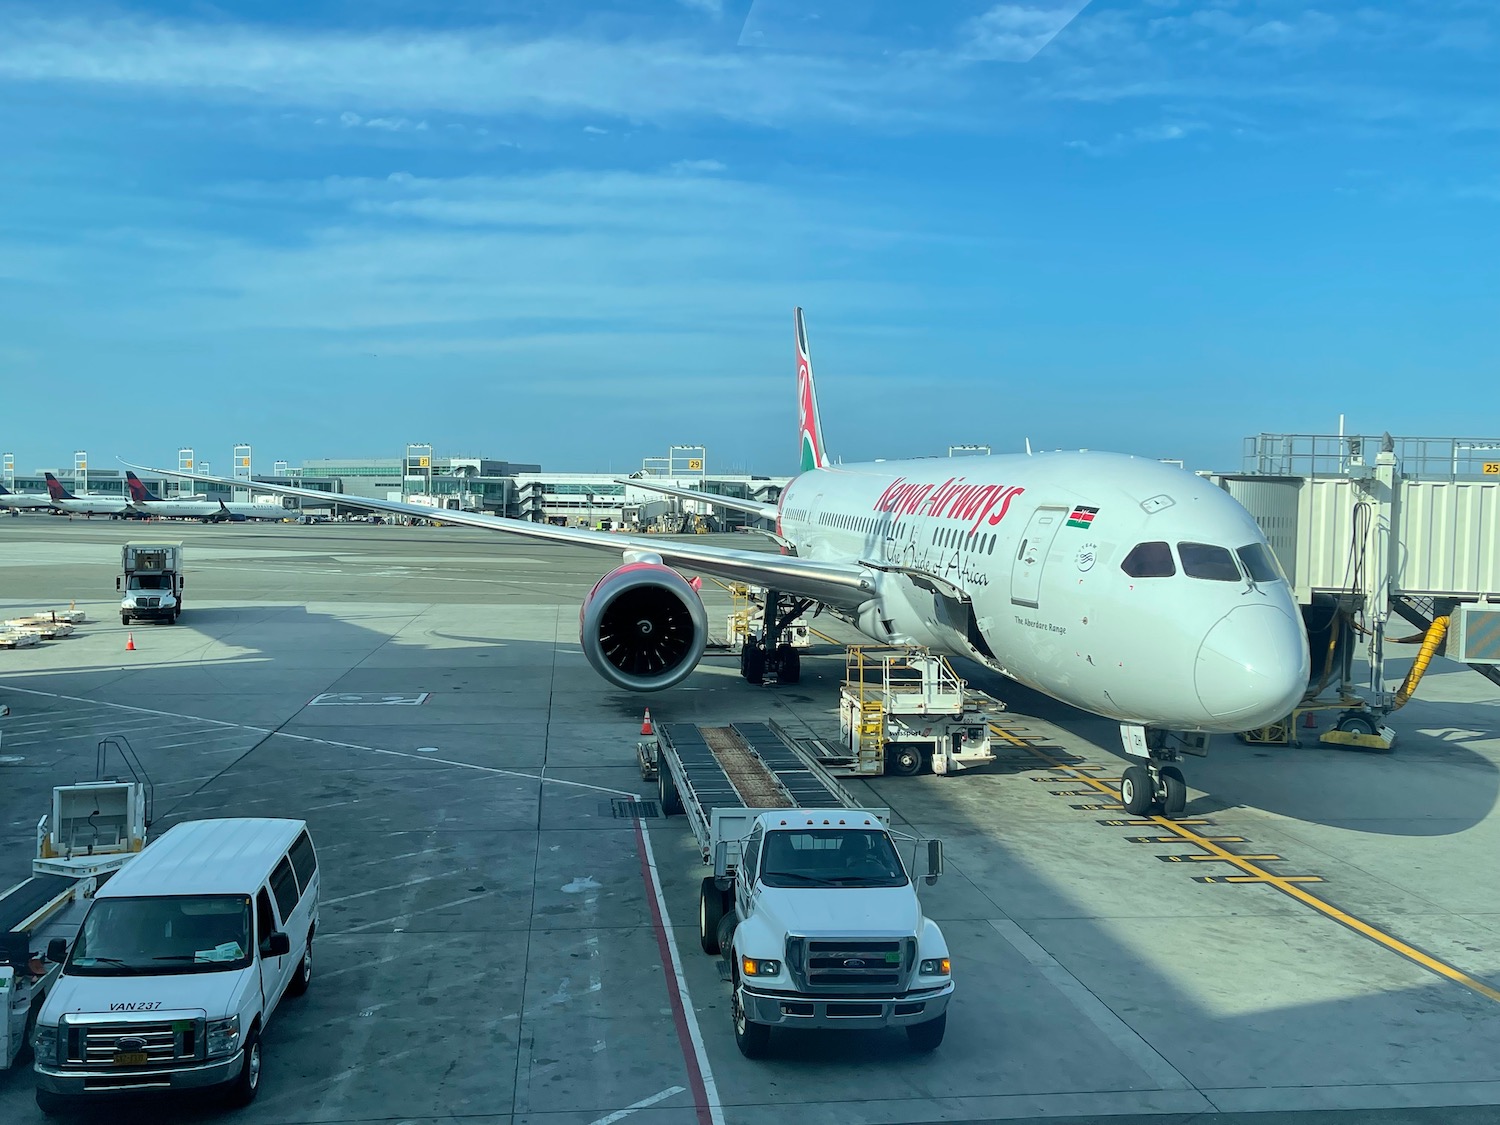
point(1492, 468)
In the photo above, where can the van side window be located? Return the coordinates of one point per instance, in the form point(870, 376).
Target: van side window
point(304, 859)
point(265, 922)
point(284, 884)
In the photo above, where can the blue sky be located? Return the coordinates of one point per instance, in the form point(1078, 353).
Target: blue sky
point(574, 233)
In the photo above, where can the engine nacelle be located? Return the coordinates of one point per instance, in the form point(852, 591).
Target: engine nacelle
point(643, 627)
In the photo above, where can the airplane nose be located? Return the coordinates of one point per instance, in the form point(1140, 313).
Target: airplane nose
point(1252, 667)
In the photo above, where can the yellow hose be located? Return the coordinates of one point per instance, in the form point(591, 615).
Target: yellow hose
point(1435, 633)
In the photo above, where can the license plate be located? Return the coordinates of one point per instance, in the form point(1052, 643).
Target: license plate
point(130, 1058)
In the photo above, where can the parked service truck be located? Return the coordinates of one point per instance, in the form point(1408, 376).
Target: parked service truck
point(810, 901)
point(152, 582)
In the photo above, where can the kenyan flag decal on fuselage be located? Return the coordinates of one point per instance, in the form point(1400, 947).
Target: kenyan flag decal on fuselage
point(1082, 516)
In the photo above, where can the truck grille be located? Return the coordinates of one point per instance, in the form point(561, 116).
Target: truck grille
point(849, 966)
point(162, 1042)
point(148, 603)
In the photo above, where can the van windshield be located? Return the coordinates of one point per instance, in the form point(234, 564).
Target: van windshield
point(170, 934)
point(830, 857)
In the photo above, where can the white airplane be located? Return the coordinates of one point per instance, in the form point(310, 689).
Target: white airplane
point(143, 500)
point(1118, 585)
point(87, 505)
point(22, 501)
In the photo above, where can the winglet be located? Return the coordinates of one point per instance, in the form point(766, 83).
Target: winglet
point(55, 489)
point(814, 453)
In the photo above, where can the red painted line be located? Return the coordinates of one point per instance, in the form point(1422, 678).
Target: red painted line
point(675, 989)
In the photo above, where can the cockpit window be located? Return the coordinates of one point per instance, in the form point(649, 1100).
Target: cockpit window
point(1205, 560)
point(1260, 563)
point(1149, 560)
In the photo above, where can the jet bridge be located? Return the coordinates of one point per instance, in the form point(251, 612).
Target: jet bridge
point(1368, 529)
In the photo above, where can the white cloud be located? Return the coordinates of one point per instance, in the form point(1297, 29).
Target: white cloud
point(485, 71)
point(712, 7)
point(699, 167)
point(1015, 32)
point(1144, 134)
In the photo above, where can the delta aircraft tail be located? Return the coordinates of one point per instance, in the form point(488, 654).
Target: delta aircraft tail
point(56, 490)
point(139, 493)
point(814, 453)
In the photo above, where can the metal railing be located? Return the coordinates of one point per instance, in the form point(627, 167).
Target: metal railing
point(1331, 455)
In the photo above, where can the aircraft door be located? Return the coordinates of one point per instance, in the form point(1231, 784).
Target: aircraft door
point(1031, 555)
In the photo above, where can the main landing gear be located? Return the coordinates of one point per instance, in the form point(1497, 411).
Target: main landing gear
point(1153, 785)
point(768, 658)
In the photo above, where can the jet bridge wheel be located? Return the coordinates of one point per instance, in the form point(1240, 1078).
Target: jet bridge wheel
point(1354, 722)
point(1137, 793)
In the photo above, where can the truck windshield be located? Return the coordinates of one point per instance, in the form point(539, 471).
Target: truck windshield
point(149, 582)
point(830, 857)
point(177, 934)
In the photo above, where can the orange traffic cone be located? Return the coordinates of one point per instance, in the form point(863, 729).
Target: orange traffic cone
point(129, 642)
point(1308, 721)
point(646, 727)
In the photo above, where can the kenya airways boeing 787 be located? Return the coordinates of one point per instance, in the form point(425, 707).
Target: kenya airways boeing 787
point(1119, 585)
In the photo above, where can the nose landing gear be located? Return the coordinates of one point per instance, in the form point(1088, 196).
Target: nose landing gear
point(1155, 785)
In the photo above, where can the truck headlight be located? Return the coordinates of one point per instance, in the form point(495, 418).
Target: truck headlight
point(935, 967)
point(759, 967)
point(44, 1042)
point(223, 1037)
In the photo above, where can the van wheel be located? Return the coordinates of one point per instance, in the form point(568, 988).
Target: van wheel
point(243, 1089)
point(303, 976)
point(51, 1104)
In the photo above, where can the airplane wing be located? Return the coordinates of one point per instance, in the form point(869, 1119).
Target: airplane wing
point(754, 507)
point(841, 585)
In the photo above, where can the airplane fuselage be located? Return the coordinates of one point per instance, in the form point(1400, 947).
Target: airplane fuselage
point(1120, 585)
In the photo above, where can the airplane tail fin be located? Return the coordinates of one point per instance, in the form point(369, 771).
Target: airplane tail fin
point(139, 493)
point(5, 491)
point(55, 489)
point(814, 453)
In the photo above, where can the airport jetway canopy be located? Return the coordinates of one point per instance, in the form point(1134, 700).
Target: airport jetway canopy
point(1409, 517)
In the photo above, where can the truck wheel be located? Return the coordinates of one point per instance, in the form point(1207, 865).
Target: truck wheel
point(752, 1039)
point(727, 923)
point(243, 1089)
point(51, 1104)
point(710, 914)
point(124, 619)
point(927, 1036)
point(903, 761)
point(666, 790)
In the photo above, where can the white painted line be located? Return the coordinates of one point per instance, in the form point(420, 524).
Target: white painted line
point(644, 1103)
point(460, 765)
point(361, 966)
point(679, 982)
point(414, 913)
point(128, 707)
point(1116, 1030)
point(378, 890)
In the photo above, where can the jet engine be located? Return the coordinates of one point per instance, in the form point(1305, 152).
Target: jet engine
point(643, 627)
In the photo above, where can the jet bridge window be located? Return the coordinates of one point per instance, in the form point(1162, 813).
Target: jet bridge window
point(1260, 563)
point(1205, 560)
point(1148, 560)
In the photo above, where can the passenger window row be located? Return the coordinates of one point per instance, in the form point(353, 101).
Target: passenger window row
point(293, 874)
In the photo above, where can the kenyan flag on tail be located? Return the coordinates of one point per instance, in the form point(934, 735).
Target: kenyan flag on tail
point(1082, 517)
point(810, 426)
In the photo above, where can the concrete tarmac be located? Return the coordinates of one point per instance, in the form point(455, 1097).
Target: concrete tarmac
point(498, 945)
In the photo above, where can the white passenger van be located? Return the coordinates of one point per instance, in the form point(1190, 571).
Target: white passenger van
point(180, 963)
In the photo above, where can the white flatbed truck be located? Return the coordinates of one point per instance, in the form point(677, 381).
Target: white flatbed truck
point(94, 829)
point(809, 900)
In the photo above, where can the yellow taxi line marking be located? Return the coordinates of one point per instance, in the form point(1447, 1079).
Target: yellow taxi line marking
point(824, 637)
point(1287, 885)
